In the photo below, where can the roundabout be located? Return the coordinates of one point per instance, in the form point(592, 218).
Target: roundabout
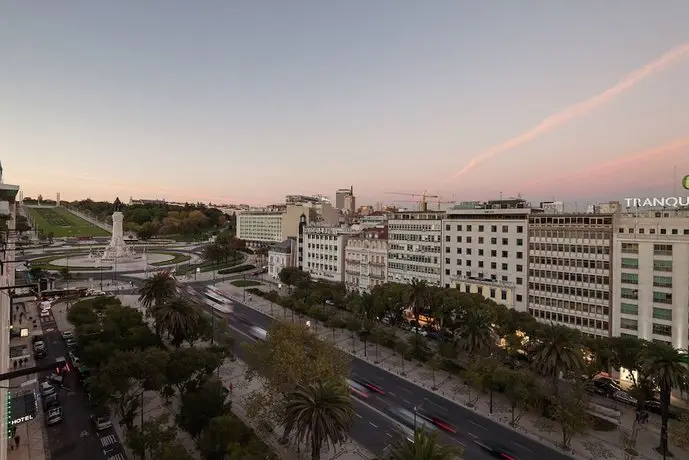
point(79, 261)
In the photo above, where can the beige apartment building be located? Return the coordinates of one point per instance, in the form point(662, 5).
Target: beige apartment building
point(415, 246)
point(366, 259)
point(324, 251)
point(570, 269)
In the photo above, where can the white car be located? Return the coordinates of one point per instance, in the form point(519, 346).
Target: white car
point(44, 313)
point(67, 335)
point(53, 416)
point(46, 389)
point(101, 423)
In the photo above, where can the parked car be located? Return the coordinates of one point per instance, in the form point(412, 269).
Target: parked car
point(44, 313)
point(624, 397)
point(50, 402)
point(70, 343)
point(653, 405)
point(101, 423)
point(67, 335)
point(54, 416)
point(46, 389)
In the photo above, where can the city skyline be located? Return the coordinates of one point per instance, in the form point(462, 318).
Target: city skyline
point(248, 103)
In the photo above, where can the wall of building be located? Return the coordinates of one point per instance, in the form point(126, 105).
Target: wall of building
point(324, 252)
point(414, 247)
point(651, 279)
point(489, 245)
point(280, 258)
point(366, 259)
point(502, 293)
point(260, 227)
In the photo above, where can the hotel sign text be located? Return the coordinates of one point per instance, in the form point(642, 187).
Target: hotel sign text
point(658, 202)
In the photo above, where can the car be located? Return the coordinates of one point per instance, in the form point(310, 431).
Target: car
point(496, 450)
point(46, 389)
point(37, 338)
point(54, 416)
point(70, 343)
point(67, 335)
point(101, 422)
point(55, 379)
point(653, 405)
point(40, 353)
point(50, 401)
point(437, 420)
point(44, 313)
point(74, 359)
point(413, 420)
point(624, 397)
point(357, 389)
point(373, 386)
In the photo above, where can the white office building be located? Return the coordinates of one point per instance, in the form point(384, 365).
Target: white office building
point(324, 251)
point(651, 277)
point(570, 270)
point(414, 246)
point(485, 250)
point(366, 260)
point(281, 256)
point(260, 227)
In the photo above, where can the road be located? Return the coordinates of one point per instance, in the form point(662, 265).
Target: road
point(376, 425)
point(75, 437)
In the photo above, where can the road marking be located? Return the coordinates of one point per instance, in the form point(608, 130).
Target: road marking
point(241, 332)
point(50, 329)
point(478, 425)
point(119, 456)
point(373, 424)
point(108, 440)
point(407, 401)
point(520, 446)
point(473, 435)
point(388, 434)
point(437, 405)
point(392, 394)
point(404, 389)
point(358, 415)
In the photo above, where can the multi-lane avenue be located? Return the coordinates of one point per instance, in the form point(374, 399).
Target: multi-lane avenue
point(376, 422)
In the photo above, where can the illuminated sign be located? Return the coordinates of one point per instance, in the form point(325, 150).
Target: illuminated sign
point(23, 419)
point(658, 202)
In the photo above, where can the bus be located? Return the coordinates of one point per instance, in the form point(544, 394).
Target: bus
point(217, 302)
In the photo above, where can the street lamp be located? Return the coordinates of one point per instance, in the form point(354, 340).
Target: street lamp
point(196, 273)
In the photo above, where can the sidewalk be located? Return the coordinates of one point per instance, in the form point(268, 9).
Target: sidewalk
point(32, 434)
point(591, 445)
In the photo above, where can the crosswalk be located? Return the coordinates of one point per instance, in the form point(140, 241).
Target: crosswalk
point(108, 440)
point(119, 456)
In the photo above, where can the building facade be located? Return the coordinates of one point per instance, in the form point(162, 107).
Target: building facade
point(570, 270)
point(414, 247)
point(260, 228)
point(345, 200)
point(366, 260)
point(651, 277)
point(8, 214)
point(283, 255)
point(485, 250)
point(324, 251)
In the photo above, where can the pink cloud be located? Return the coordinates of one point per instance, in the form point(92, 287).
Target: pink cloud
point(580, 109)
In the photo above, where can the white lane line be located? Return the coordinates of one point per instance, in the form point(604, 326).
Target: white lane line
point(392, 394)
point(437, 405)
point(407, 401)
point(522, 447)
point(358, 415)
point(473, 435)
point(478, 425)
point(373, 424)
point(388, 434)
point(404, 389)
point(242, 332)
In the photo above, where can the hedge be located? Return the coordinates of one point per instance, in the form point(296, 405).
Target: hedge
point(237, 269)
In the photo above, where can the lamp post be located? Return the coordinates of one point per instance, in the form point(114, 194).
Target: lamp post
point(196, 273)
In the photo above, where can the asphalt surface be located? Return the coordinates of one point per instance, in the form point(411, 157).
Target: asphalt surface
point(376, 423)
point(75, 437)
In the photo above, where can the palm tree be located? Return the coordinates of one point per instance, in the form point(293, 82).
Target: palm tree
point(417, 297)
point(157, 290)
point(367, 306)
point(178, 317)
point(424, 447)
point(475, 335)
point(666, 367)
point(559, 351)
point(319, 413)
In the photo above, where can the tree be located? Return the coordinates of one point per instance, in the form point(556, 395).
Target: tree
point(475, 335)
point(178, 317)
point(559, 351)
point(188, 367)
point(292, 356)
point(201, 405)
point(213, 253)
point(319, 413)
point(292, 276)
point(125, 377)
point(22, 224)
point(522, 390)
point(570, 410)
point(485, 373)
point(226, 437)
point(426, 446)
point(417, 297)
point(146, 231)
point(65, 273)
point(149, 442)
point(158, 289)
point(665, 365)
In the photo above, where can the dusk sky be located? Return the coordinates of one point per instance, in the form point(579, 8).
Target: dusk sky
point(244, 102)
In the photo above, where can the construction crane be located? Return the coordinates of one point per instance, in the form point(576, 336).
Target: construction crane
point(443, 202)
point(423, 203)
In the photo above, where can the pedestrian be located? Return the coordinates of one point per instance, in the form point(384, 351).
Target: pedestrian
point(16, 441)
point(231, 388)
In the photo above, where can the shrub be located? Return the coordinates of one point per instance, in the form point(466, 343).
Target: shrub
point(237, 269)
point(353, 324)
point(336, 321)
point(255, 291)
point(318, 313)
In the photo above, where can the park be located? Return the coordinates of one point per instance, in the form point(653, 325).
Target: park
point(61, 223)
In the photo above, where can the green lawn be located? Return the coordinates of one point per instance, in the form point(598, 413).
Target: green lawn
point(62, 223)
point(45, 263)
point(245, 283)
point(178, 258)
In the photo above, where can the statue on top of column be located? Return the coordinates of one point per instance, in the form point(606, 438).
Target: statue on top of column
point(117, 205)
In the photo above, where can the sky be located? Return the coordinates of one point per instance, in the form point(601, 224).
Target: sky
point(245, 102)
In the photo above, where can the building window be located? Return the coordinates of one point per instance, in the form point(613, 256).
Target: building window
point(480, 228)
point(469, 239)
point(630, 263)
point(504, 254)
point(492, 293)
point(520, 280)
point(629, 324)
point(630, 278)
point(662, 329)
point(503, 295)
point(505, 229)
point(662, 265)
point(629, 308)
point(520, 242)
point(630, 248)
point(480, 240)
point(493, 253)
point(447, 228)
point(662, 281)
point(520, 229)
point(662, 297)
point(493, 265)
point(662, 313)
point(627, 293)
point(480, 264)
point(662, 249)
point(447, 238)
point(504, 266)
point(493, 241)
point(519, 297)
point(493, 228)
point(520, 268)
point(459, 239)
point(520, 255)
point(468, 228)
